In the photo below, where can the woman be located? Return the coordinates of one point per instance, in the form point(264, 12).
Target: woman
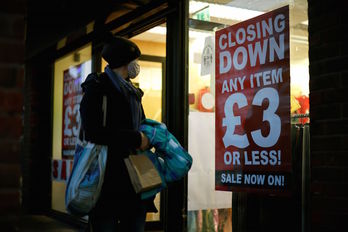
point(111, 113)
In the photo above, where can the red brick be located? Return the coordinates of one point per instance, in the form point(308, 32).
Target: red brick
point(314, 25)
point(12, 52)
point(327, 50)
point(11, 101)
point(344, 79)
point(329, 158)
point(10, 151)
point(9, 201)
point(11, 126)
point(325, 143)
point(329, 35)
point(344, 109)
point(12, 26)
point(337, 95)
point(5, 25)
point(323, 221)
point(18, 27)
point(7, 77)
point(344, 142)
point(315, 97)
point(327, 111)
point(20, 77)
point(13, 6)
point(330, 127)
point(329, 173)
point(328, 59)
point(10, 175)
point(315, 68)
point(329, 189)
point(324, 82)
point(11, 77)
point(330, 204)
point(339, 64)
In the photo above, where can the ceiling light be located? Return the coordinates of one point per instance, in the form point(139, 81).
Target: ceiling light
point(223, 11)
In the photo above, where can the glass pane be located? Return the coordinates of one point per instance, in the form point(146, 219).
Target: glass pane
point(210, 210)
point(150, 81)
point(69, 72)
point(152, 44)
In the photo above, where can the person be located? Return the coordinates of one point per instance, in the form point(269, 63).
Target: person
point(111, 113)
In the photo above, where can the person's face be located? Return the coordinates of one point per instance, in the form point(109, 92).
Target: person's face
point(133, 69)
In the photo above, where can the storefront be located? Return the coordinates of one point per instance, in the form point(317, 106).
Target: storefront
point(208, 209)
point(177, 40)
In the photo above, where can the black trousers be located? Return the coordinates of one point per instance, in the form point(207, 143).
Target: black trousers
point(127, 221)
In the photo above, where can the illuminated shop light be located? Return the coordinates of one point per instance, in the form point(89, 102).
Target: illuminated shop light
point(223, 11)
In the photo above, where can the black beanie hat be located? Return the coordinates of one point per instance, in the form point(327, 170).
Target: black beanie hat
point(119, 51)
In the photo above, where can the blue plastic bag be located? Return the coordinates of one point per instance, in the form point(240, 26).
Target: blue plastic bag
point(175, 161)
point(86, 179)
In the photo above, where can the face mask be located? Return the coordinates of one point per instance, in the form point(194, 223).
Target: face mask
point(133, 69)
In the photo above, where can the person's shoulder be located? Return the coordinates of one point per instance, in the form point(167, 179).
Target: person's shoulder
point(94, 82)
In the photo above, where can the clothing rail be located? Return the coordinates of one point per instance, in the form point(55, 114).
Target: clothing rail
point(300, 116)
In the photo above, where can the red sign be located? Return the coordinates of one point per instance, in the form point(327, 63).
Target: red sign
point(72, 95)
point(61, 169)
point(253, 105)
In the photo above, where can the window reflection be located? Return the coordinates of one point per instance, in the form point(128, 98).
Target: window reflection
point(207, 207)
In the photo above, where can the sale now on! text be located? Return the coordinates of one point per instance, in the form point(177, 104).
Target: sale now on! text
point(252, 179)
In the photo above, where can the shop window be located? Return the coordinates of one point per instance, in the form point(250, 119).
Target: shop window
point(69, 72)
point(210, 210)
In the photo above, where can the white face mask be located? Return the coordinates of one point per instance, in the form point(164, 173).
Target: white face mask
point(133, 69)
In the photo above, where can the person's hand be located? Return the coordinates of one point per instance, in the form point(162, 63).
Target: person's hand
point(145, 142)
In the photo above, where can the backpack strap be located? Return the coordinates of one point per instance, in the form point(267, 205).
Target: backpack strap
point(104, 109)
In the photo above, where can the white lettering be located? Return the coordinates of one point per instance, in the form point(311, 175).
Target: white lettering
point(267, 27)
point(278, 48)
point(240, 50)
point(258, 52)
point(227, 158)
point(230, 42)
point(263, 157)
point(236, 158)
point(279, 23)
point(222, 46)
point(251, 32)
point(254, 179)
point(225, 55)
point(277, 75)
point(241, 32)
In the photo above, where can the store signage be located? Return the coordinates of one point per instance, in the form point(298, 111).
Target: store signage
point(61, 169)
point(252, 151)
point(72, 94)
point(207, 56)
point(203, 14)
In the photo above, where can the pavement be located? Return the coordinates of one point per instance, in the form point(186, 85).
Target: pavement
point(42, 223)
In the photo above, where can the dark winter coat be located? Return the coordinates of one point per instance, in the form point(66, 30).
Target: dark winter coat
point(118, 134)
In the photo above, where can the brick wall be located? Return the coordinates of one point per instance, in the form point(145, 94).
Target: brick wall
point(37, 142)
point(12, 70)
point(328, 58)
